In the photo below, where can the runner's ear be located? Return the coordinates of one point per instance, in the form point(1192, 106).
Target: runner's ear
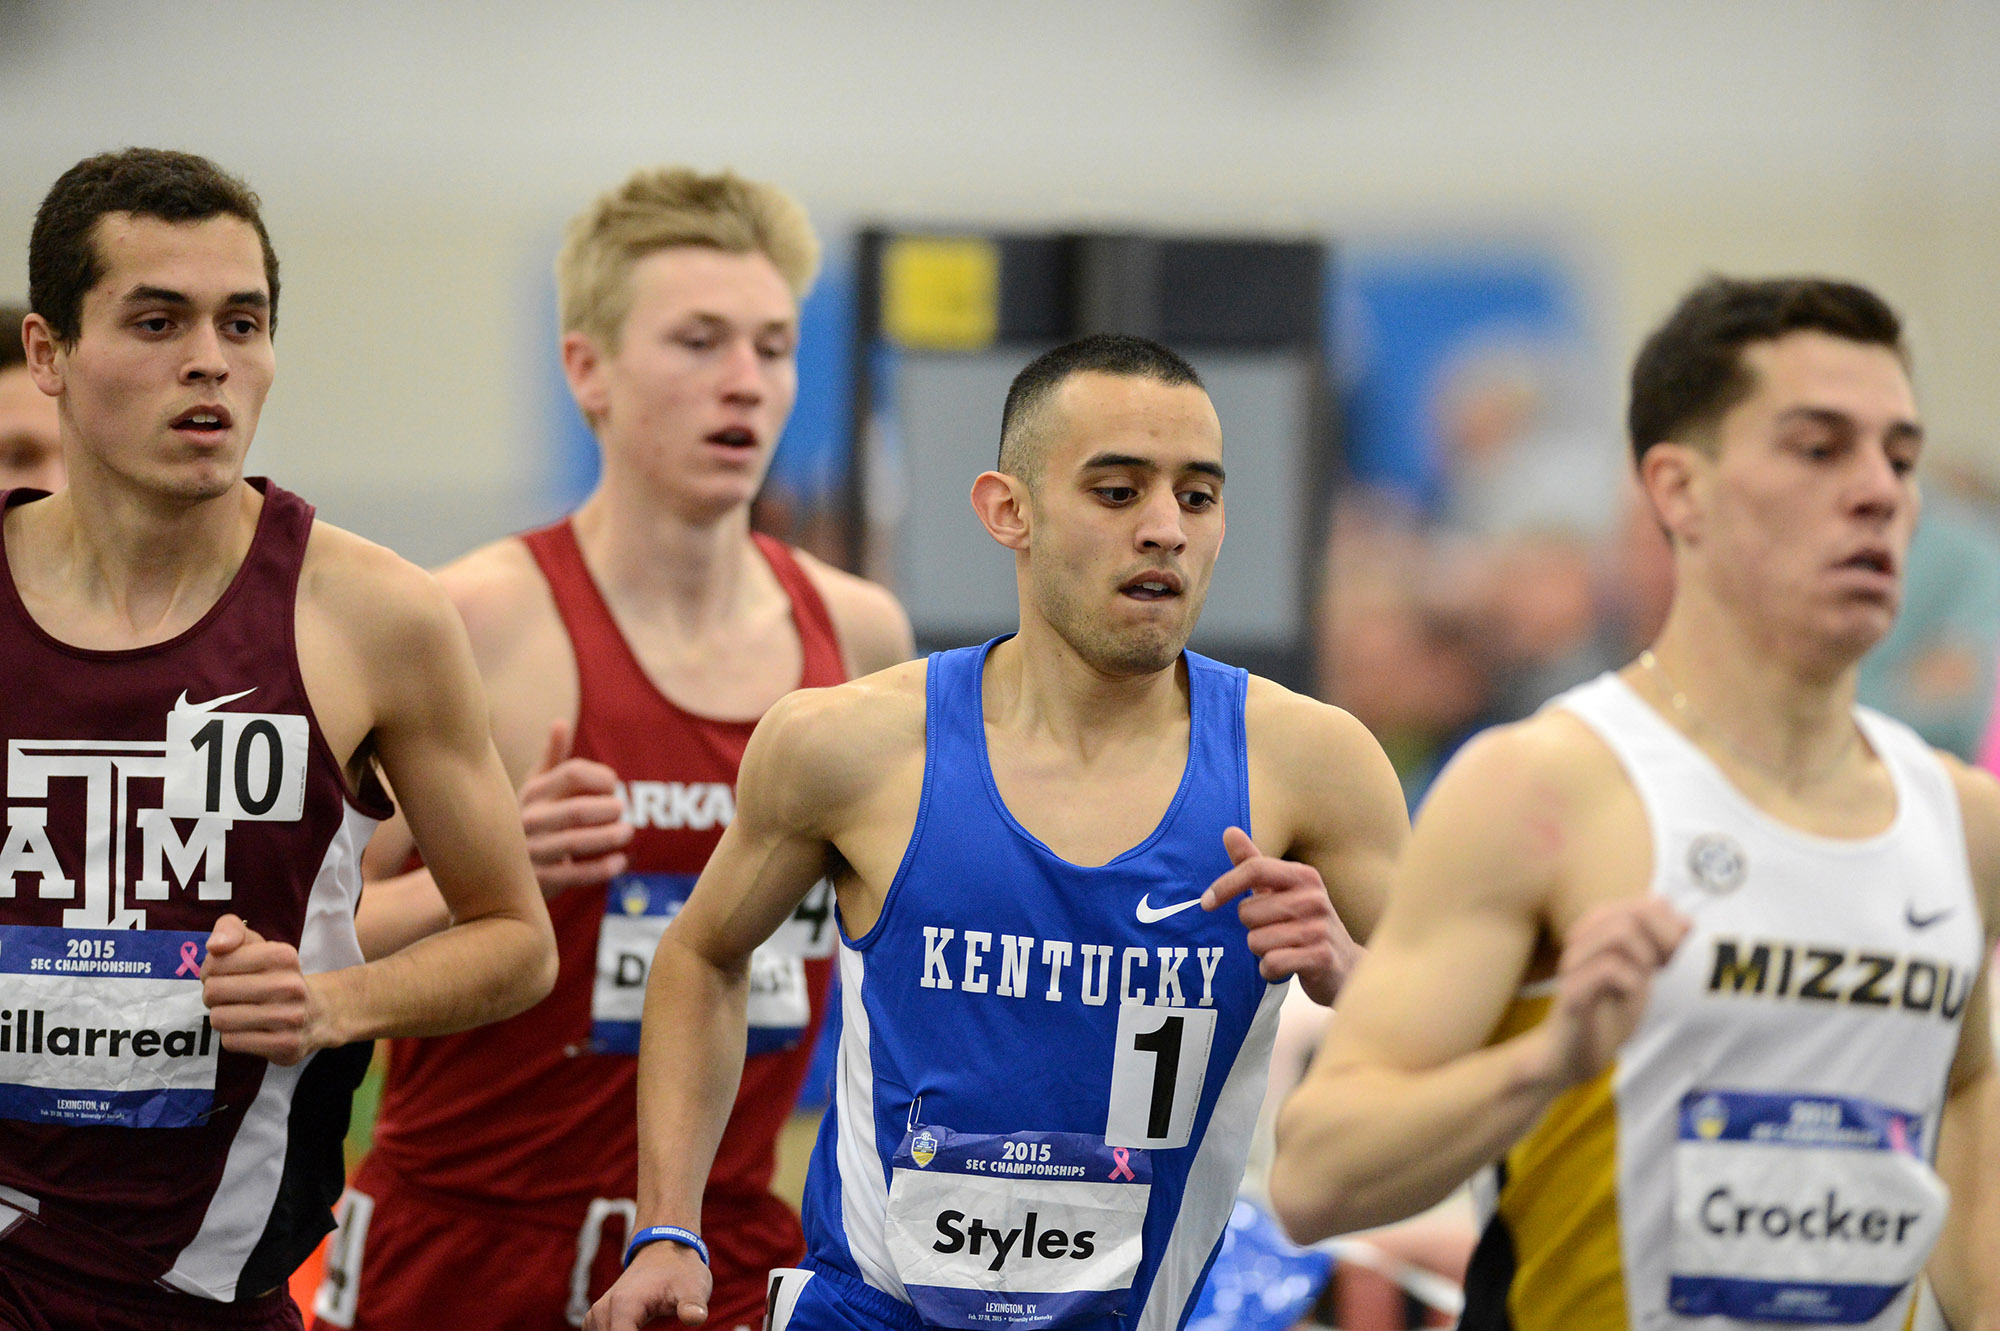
point(1001, 501)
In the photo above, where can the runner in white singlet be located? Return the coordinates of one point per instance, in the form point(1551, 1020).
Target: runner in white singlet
point(1692, 958)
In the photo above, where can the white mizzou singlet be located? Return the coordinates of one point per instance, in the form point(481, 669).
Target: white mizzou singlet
point(1759, 1152)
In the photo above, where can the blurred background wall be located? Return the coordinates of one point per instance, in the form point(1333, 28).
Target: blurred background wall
point(417, 163)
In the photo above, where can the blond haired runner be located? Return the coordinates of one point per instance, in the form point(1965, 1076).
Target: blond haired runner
point(629, 650)
point(1692, 957)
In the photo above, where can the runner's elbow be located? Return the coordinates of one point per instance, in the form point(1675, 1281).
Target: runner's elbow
point(542, 971)
point(1300, 1207)
point(532, 976)
point(1315, 1193)
point(1318, 1200)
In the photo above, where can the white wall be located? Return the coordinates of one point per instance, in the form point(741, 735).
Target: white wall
point(417, 160)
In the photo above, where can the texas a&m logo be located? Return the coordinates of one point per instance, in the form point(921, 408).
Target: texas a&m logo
point(212, 770)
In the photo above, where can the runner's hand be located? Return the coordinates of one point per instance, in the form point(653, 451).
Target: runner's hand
point(574, 820)
point(664, 1280)
point(1602, 982)
point(258, 1000)
point(1292, 924)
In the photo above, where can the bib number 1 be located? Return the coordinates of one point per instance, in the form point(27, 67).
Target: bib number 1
point(1157, 1075)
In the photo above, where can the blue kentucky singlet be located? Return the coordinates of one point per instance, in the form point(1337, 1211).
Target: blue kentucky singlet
point(1048, 1074)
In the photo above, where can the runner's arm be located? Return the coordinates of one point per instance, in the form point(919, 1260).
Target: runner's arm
point(1968, 1160)
point(397, 908)
point(1961, 1268)
point(569, 807)
point(1329, 825)
point(1406, 1099)
point(1354, 822)
point(430, 735)
point(692, 1036)
point(575, 829)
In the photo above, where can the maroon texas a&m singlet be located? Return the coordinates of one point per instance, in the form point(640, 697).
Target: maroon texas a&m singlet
point(147, 792)
point(540, 1110)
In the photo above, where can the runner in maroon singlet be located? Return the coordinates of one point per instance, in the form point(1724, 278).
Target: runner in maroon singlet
point(200, 680)
point(656, 628)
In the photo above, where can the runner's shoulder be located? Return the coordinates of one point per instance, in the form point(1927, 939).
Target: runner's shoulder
point(1319, 771)
point(501, 595)
point(1553, 751)
point(1524, 794)
point(870, 622)
point(1979, 809)
point(1297, 733)
point(877, 712)
point(843, 739)
point(373, 596)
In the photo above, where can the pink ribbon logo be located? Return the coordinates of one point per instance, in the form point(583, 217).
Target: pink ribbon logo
point(1123, 1166)
point(190, 961)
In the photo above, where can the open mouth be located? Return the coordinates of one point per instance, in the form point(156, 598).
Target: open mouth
point(734, 437)
point(1151, 586)
point(202, 423)
point(1870, 561)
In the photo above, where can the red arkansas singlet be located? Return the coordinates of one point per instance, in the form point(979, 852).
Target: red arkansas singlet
point(539, 1111)
point(148, 792)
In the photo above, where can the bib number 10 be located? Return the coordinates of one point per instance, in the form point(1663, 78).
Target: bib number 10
point(1157, 1075)
point(238, 765)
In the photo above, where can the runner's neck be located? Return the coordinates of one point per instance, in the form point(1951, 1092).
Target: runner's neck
point(699, 576)
point(131, 566)
point(1037, 682)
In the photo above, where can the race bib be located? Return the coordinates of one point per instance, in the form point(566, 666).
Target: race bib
point(1157, 1071)
point(638, 907)
point(1024, 1229)
point(1798, 1208)
point(243, 766)
point(104, 1027)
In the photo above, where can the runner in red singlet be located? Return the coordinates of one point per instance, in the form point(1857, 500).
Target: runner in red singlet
point(656, 628)
point(200, 681)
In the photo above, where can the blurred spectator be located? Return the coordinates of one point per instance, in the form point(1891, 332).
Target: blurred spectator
point(1567, 610)
point(1472, 569)
point(30, 442)
point(1935, 670)
point(1401, 632)
point(1521, 450)
point(1427, 634)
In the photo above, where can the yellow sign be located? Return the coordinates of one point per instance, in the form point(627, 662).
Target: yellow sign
point(941, 293)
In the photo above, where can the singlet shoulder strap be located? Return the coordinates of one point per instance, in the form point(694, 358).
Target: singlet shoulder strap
point(1218, 735)
point(593, 634)
point(818, 639)
point(955, 773)
point(278, 550)
point(954, 721)
point(1656, 759)
point(1915, 767)
point(13, 614)
point(1642, 739)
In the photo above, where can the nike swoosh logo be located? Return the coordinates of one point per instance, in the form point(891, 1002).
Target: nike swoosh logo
point(1916, 921)
point(185, 706)
point(1151, 914)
